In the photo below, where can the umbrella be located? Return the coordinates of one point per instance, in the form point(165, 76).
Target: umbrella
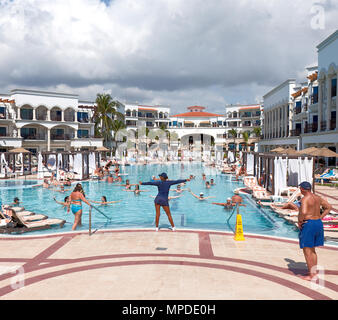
point(323, 152)
point(102, 149)
point(307, 150)
point(289, 151)
point(279, 149)
point(19, 150)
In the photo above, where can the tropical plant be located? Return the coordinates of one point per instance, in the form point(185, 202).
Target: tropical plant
point(233, 133)
point(104, 115)
point(257, 131)
point(246, 135)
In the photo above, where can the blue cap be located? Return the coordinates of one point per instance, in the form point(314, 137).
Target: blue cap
point(163, 175)
point(305, 185)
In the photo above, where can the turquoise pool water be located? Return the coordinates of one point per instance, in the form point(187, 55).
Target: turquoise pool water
point(15, 184)
point(138, 211)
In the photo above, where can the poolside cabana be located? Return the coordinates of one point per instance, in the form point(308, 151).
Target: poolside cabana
point(15, 162)
point(278, 172)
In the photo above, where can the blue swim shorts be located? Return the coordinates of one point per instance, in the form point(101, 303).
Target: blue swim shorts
point(312, 234)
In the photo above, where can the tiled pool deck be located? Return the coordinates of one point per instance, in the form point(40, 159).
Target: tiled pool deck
point(144, 264)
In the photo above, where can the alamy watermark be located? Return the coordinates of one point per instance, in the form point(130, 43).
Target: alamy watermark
point(18, 279)
point(318, 15)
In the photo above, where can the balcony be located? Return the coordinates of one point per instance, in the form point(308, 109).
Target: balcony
point(323, 126)
point(5, 116)
point(298, 110)
point(333, 124)
point(311, 127)
point(66, 136)
point(295, 132)
point(314, 98)
point(37, 136)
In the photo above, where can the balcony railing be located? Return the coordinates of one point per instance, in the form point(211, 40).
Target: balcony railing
point(333, 124)
point(5, 116)
point(323, 126)
point(298, 110)
point(295, 132)
point(54, 117)
point(311, 127)
point(314, 98)
point(62, 136)
point(38, 136)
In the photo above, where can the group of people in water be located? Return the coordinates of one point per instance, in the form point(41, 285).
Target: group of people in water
point(73, 202)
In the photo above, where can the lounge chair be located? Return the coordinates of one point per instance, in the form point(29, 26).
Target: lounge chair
point(261, 195)
point(251, 183)
point(37, 224)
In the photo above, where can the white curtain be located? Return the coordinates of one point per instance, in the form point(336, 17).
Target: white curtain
point(250, 163)
point(78, 165)
point(231, 157)
point(92, 165)
point(40, 167)
point(21, 160)
point(280, 174)
point(293, 172)
point(305, 167)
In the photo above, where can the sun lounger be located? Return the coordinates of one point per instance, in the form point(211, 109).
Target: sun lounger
point(261, 195)
point(37, 224)
point(34, 217)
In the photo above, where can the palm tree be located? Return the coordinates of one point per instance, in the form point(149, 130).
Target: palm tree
point(104, 115)
point(117, 125)
point(246, 135)
point(257, 131)
point(233, 133)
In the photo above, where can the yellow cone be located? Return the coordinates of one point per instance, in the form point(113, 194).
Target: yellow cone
point(239, 236)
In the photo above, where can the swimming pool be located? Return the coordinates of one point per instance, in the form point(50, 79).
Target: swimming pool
point(137, 211)
point(15, 184)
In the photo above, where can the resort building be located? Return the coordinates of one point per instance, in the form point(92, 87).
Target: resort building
point(321, 130)
point(278, 115)
point(140, 115)
point(46, 121)
point(198, 127)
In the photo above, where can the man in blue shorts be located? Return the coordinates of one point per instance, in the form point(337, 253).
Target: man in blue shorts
point(311, 233)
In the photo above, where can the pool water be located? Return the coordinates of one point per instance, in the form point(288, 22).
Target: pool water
point(137, 211)
point(14, 184)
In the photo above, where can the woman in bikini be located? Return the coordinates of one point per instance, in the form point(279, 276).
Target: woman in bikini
point(76, 197)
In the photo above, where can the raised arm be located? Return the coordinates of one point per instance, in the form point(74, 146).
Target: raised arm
point(218, 204)
point(178, 181)
point(150, 183)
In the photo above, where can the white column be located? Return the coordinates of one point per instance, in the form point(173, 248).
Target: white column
point(320, 103)
point(328, 103)
point(19, 132)
point(34, 113)
point(75, 115)
point(19, 114)
point(285, 121)
point(63, 115)
point(48, 139)
point(48, 114)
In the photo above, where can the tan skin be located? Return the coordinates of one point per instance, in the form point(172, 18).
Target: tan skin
point(310, 209)
point(76, 195)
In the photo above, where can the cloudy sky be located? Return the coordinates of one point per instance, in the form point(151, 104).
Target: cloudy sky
point(171, 52)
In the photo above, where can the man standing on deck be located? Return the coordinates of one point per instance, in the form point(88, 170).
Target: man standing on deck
point(311, 233)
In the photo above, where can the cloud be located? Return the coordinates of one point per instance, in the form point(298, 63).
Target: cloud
point(172, 51)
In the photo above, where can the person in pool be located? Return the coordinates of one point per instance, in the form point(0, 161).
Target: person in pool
point(161, 199)
point(136, 190)
point(16, 202)
point(212, 183)
point(65, 203)
point(127, 185)
point(179, 189)
point(201, 196)
point(207, 184)
point(76, 197)
point(226, 205)
point(104, 201)
point(62, 189)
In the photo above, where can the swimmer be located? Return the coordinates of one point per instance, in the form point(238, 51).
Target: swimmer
point(191, 177)
point(226, 205)
point(65, 203)
point(207, 184)
point(104, 201)
point(45, 184)
point(127, 185)
point(62, 189)
point(201, 196)
point(161, 199)
point(16, 202)
point(179, 189)
point(137, 190)
point(154, 178)
point(110, 178)
point(212, 183)
point(203, 176)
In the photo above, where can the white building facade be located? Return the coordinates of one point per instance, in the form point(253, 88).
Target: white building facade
point(46, 121)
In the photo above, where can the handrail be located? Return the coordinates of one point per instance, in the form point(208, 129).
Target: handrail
point(100, 212)
point(232, 213)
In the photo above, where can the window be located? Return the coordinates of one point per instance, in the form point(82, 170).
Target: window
point(2, 112)
point(26, 114)
point(334, 87)
point(28, 133)
point(83, 133)
point(2, 131)
point(82, 117)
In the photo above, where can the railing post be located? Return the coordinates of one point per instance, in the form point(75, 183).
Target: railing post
point(90, 220)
